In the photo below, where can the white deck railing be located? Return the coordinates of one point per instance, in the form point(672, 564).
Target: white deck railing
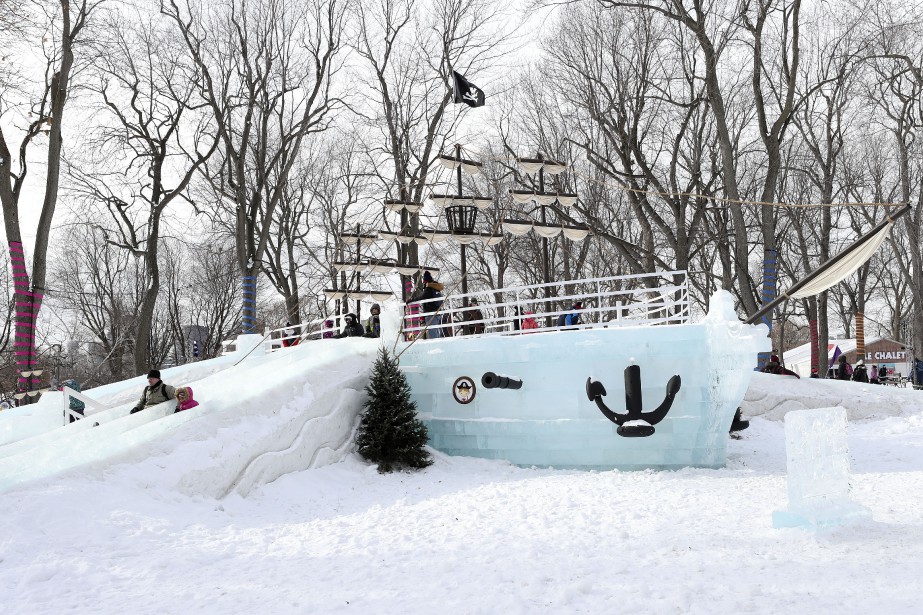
point(619, 301)
point(89, 404)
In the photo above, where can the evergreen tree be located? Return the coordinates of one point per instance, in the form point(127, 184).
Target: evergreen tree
point(390, 433)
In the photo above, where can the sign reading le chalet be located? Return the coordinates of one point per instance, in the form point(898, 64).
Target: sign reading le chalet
point(897, 355)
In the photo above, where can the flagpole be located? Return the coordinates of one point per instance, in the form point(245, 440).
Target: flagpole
point(767, 309)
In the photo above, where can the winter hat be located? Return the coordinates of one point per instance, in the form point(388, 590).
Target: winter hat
point(578, 305)
point(774, 359)
point(350, 317)
point(375, 306)
point(427, 276)
point(860, 362)
point(154, 373)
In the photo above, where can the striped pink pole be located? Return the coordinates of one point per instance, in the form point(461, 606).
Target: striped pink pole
point(26, 305)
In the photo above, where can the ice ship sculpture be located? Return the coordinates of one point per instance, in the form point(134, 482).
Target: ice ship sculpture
point(553, 419)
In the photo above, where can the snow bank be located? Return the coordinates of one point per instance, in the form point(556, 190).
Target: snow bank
point(771, 396)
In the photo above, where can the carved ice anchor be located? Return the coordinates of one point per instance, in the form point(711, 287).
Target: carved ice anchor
point(595, 391)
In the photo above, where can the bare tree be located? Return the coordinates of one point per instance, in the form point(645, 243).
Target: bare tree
point(99, 284)
point(149, 145)
point(47, 118)
point(267, 71)
point(201, 285)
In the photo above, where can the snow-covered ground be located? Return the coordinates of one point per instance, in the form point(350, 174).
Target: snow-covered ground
point(475, 536)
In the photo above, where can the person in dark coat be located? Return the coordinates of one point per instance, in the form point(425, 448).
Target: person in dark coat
point(431, 290)
point(775, 367)
point(156, 392)
point(469, 318)
point(373, 322)
point(289, 337)
point(352, 328)
point(860, 373)
point(571, 318)
point(844, 370)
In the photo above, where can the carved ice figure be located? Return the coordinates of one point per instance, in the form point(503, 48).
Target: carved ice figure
point(818, 471)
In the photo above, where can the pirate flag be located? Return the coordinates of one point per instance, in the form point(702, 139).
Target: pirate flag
point(466, 92)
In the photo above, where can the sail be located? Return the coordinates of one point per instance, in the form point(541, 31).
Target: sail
point(452, 162)
point(353, 238)
point(844, 267)
point(534, 165)
point(837, 267)
point(398, 205)
point(543, 198)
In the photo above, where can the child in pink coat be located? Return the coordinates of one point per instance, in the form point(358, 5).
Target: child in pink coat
point(184, 397)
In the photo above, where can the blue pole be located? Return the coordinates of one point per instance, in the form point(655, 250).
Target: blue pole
point(248, 287)
point(770, 279)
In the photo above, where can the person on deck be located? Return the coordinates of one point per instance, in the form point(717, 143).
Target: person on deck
point(373, 322)
point(431, 290)
point(470, 319)
point(156, 392)
point(288, 335)
point(572, 318)
point(352, 328)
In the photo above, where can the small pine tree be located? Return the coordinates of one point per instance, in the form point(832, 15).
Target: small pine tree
point(390, 433)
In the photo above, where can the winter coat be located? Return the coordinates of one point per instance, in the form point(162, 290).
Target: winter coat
point(475, 328)
point(844, 372)
point(353, 329)
point(529, 322)
point(289, 337)
point(569, 320)
point(154, 395)
point(373, 326)
point(431, 290)
point(188, 402)
point(860, 374)
point(775, 368)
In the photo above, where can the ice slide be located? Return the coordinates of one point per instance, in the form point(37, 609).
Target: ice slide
point(271, 414)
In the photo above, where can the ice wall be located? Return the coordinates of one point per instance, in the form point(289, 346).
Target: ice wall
point(551, 422)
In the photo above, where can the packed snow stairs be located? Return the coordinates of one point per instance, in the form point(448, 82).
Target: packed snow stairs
point(260, 415)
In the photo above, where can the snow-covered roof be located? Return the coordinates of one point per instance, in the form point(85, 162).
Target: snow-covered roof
point(802, 354)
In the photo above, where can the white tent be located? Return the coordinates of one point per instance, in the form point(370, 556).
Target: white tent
point(798, 359)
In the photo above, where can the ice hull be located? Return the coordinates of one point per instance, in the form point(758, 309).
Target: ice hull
point(550, 421)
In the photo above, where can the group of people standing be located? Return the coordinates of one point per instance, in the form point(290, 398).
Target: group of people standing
point(438, 325)
point(843, 371)
point(860, 373)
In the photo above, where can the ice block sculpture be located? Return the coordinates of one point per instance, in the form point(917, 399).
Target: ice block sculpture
point(818, 471)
